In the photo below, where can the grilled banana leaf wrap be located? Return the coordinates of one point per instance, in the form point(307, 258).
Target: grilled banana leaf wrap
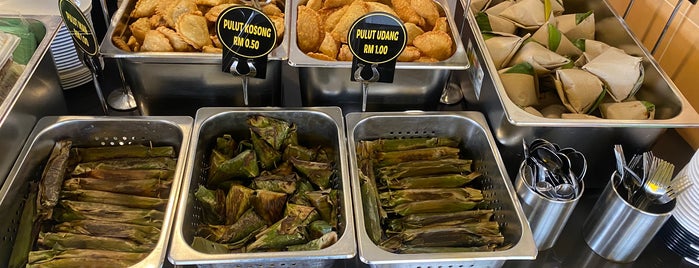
point(420, 196)
point(95, 205)
point(268, 191)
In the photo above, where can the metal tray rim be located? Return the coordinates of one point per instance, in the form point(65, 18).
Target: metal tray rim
point(156, 257)
point(371, 254)
point(344, 248)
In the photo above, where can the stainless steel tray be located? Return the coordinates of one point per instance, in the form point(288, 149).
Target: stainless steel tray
point(510, 124)
point(323, 126)
point(177, 83)
point(478, 144)
point(37, 86)
point(92, 131)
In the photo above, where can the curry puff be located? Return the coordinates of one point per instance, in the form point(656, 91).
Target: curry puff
point(309, 35)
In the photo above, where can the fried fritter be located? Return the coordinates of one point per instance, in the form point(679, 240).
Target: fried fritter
point(427, 10)
point(336, 3)
point(279, 25)
point(379, 7)
point(210, 49)
point(212, 3)
point(434, 44)
point(441, 25)
point(139, 28)
point(120, 43)
point(329, 46)
point(309, 34)
point(194, 30)
point(315, 4)
point(410, 53)
point(133, 44)
point(212, 14)
point(157, 21)
point(272, 10)
point(330, 17)
point(413, 31)
point(173, 11)
point(345, 53)
point(176, 41)
point(427, 60)
point(320, 56)
point(215, 41)
point(356, 9)
point(144, 8)
point(406, 13)
point(156, 42)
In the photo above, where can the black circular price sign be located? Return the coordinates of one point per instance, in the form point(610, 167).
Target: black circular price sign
point(78, 26)
point(246, 32)
point(377, 38)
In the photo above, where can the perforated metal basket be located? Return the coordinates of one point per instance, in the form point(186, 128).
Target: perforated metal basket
point(87, 131)
point(477, 143)
point(319, 126)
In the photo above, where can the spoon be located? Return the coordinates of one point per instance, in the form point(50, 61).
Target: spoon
point(545, 189)
point(565, 191)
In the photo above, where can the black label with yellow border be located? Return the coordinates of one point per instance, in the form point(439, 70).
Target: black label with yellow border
point(376, 39)
point(248, 36)
point(79, 27)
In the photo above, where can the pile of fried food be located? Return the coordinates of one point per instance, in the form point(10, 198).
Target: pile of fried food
point(419, 196)
point(322, 27)
point(183, 25)
point(96, 205)
point(267, 193)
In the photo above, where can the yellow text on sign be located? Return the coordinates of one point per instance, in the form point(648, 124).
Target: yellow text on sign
point(246, 43)
point(247, 28)
point(81, 26)
point(382, 35)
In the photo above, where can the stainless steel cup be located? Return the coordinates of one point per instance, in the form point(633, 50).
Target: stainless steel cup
point(546, 216)
point(618, 231)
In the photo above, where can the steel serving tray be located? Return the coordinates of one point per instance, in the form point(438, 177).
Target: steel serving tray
point(179, 83)
point(37, 86)
point(484, 91)
point(92, 131)
point(478, 144)
point(323, 126)
point(415, 85)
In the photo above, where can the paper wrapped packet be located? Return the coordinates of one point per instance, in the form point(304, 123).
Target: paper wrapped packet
point(580, 91)
point(503, 47)
point(542, 59)
point(629, 110)
point(623, 74)
point(554, 111)
point(494, 23)
point(550, 37)
point(527, 14)
point(591, 49)
point(499, 7)
point(479, 5)
point(520, 83)
point(578, 116)
point(533, 111)
point(577, 26)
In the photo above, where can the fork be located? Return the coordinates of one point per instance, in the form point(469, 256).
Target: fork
point(657, 183)
point(677, 186)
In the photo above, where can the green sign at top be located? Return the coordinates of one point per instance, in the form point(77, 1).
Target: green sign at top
point(79, 27)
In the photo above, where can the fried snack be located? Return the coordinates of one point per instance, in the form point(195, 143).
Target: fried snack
point(215, 41)
point(144, 8)
point(426, 59)
point(345, 54)
point(156, 42)
point(172, 12)
point(279, 25)
point(427, 10)
point(434, 44)
point(210, 49)
point(120, 43)
point(331, 16)
point(441, 25)
point(336, 3)
point(410, 53)
point(272, 10)
point(315, 4)
point(329, 46)
point(406, 13)
point(194, 30)
point(176, 41)
point(157, 21)
point(308, 31)
point(320, 56)
point(413, 31)
point(379, 7)
point(356, 9)
point(212, 14)
point(139, 29)
point(212, 3)
point(134, 44)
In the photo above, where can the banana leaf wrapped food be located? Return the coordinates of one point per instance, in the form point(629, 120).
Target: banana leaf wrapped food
point(435, 181)
point(147, 187)
point(273, 131)
point(127, 200)
point(238, 201)
point(316, 244)
point(74, 210)
point(90, 154)
point(213, 204)
point(52, 178)
point(319, 173)
point(236, 234)
point(164, 163)
point(276, 183)
point(242, 165)
point(79, 257)
point(69, 240)
point(143, 234)
point(267, 155)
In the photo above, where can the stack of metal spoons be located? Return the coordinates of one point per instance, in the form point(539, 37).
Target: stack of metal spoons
point(553, 172)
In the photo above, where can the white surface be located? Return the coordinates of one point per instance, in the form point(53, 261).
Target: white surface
point(37, 7)
point(687, 211)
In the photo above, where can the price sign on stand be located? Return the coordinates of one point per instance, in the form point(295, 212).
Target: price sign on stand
point(79, 27)
point(376, 40)
point(248, 36)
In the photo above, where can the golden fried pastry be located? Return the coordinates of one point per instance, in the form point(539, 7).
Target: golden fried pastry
point(272, 10)
point(320, 56)
point(426, 59)
point(427, 10)
point(120, 43)
point(413, 31)
point(215, 41)
point(406, 13)
point(336, 3)
point(434, 44)
point(356, 9)
point(379, 7)
point(212, 14)
point(329, 46)
point(441, 25)
point(315, 4)
point(308, 31)
point(345, 54)
point(139, 28)
point(210, 49)
point(172, 12)
point(279, 25)
point(157, 21)
point(133, 44)
point(410, 53)
point(194, 30)
point(211, 3)
point(331, 16)
point(156, 42)
point(144, 8)
point(176, 41)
